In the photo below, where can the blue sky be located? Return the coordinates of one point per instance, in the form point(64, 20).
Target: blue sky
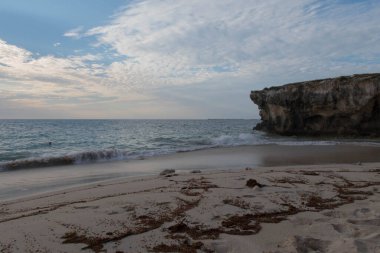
point(39, 25)
point(173, 59)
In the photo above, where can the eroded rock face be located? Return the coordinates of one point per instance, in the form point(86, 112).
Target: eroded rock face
point(348, 105)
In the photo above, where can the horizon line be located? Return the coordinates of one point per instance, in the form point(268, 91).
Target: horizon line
point(129, 119)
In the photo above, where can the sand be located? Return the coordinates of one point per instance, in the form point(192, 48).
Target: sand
point(18, 183)
point(309, 208)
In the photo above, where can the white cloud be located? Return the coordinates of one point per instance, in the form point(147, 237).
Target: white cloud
point(57, 44)
point(222, 44)
point(75, 33)
point(24, 74)
point(184, 42)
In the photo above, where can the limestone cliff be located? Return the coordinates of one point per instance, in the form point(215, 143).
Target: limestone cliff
point(347, 105)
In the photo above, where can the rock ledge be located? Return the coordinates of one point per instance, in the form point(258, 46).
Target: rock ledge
point(347, 105)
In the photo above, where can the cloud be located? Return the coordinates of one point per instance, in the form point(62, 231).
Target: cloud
point(75, 33)
point(57, 44)
point(73, 86)
point(24, 74)
point(185, 42)
point(185, 52)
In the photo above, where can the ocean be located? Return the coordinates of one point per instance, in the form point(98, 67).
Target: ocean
point(41, 143)
point(32, 151)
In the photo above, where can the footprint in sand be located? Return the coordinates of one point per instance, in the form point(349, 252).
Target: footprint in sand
point(361, 246)
point(347, 230)
point(363, 212)
point(308, 244)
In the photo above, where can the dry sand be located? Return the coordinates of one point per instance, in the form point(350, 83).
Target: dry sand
point(324, 208)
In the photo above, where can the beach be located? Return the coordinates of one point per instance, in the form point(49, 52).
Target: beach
point(16, 183)
point(316, 201)
point(219, 126)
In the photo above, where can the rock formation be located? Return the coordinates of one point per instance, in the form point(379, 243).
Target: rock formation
point(347, 105)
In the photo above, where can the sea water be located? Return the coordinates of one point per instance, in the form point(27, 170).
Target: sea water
point(31, 151)
point(41, 143)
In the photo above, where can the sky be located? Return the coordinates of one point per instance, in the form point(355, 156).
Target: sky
point(173, 58)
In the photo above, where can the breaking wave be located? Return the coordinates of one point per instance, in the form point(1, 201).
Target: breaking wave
point(168, 146)
point(238, 140)
point(69, 159)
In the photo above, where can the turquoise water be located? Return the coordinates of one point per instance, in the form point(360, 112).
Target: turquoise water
point(39, 143)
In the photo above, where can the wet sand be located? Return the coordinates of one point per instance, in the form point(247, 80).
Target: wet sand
point(243, 199)
point(19, 183)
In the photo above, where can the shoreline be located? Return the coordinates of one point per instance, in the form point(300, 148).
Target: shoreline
point(195, 172)
point(212, 211)
point(114, 155)
point(18, 183)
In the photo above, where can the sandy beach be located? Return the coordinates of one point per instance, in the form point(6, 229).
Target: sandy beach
point(22, 182)
point(298, 208)
point(219, 126)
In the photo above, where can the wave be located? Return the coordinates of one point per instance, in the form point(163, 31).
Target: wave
point(177, 146)
point(69, 159)
point(241, 139)
point(261, 138)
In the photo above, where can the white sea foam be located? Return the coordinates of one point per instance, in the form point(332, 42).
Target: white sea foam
point(260, 138)
point(236, 140)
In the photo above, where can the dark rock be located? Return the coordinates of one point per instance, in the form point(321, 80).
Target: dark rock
point(252, 183)
point(179, 228)
point(167, 172)
point(347, 105)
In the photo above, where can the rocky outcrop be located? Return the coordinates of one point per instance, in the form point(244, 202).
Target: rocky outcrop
point(347, 105)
